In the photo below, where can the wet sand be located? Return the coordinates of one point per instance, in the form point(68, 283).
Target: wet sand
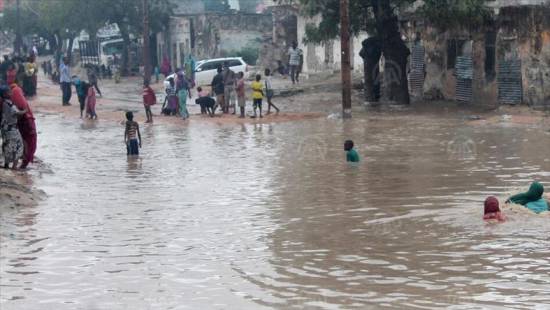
point(119, 98)
point(16, 190)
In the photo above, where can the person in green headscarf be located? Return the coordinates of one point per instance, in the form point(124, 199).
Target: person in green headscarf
point(532, 199)
point(189, 67)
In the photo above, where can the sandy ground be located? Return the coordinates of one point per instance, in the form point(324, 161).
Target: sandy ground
point(16, 190)
point(126, 96)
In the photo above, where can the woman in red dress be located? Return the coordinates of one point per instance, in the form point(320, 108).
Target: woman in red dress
point(26, 124)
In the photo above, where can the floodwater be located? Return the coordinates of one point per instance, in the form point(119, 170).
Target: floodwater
point(269, 216)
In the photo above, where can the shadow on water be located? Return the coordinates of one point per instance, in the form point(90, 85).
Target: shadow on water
point(259, 216)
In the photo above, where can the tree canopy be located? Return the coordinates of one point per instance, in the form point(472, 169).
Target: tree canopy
point(216, 5)
point(442, 13)
point(59, 21)
point(380, 18)
point(69, 18)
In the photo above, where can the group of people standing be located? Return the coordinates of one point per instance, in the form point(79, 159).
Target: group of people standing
point(85, 90)
point(22, 71)
point(18, 81)
point(229, 89)
point(18, 128)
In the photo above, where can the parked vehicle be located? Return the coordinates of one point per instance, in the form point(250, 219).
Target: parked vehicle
point(100, 53)
point(206, 69)
point(108, 53)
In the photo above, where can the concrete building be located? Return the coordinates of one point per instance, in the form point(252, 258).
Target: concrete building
point(193, 30)
point(289, 25)
point(325, 57)
point(505, 62)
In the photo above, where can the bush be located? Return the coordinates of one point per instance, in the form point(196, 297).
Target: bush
point(249, 53)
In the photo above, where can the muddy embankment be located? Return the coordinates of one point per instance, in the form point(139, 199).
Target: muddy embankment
point(16, 190)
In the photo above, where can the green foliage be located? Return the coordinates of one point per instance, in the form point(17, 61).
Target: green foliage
point(248, 6)
point(29, 21)
point(216, 5)
point(68, 18)
point(443, 13)
point(361, 16)
point(447, 14)
point(249, 53)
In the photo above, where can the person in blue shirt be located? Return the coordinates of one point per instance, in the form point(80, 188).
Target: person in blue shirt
point(65, 81)
point(351, 153)
point(532, 199)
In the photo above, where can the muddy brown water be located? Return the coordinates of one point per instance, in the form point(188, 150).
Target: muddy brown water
point(269, 216)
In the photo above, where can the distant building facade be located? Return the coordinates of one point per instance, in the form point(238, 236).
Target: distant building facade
point(504, 62)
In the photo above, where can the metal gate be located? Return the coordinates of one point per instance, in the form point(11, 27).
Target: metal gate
point(89, 53)
point(464, 71)
point(510, 88)
point(418, 65)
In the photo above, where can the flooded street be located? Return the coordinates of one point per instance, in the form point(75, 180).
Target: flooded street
point(269, 216)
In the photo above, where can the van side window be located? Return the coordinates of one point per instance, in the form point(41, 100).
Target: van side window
point(212, 65)
point(207, 66)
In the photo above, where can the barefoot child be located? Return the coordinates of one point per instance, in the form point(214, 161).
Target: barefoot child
point(269, 92)
point(241, 97)
point(149, 99)
point(200, 94)
point(132, 136)
point(90, 103)
point(171, 98)
point(81, 92)
point(257, 94)
point(351, 153)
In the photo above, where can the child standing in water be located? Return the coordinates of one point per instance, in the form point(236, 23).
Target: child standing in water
point(257, 94)
point(200, 94)
point(81, 92)
point(491, 210)
point(157, 73)
point(132, 136)
point(90, 103)
point(149, 99)
point(269, 92)
point(351, 153)
point(241, 97)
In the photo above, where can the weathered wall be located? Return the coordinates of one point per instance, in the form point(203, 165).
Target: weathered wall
point(179, 40)
point(522, 33)
point(326, 56)
point(215, 35)
point(284, 32)
point(527, 32)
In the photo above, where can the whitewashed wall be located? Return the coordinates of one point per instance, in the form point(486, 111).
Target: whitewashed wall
point(320, 58)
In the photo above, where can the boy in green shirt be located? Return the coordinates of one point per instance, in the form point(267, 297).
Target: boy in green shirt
point(351, 153)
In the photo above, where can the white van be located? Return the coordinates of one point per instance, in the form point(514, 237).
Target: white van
point(205, 70)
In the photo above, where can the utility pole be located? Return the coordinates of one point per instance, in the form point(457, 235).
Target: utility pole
point(146, 47)
point(17, 43)
point(346, 62)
